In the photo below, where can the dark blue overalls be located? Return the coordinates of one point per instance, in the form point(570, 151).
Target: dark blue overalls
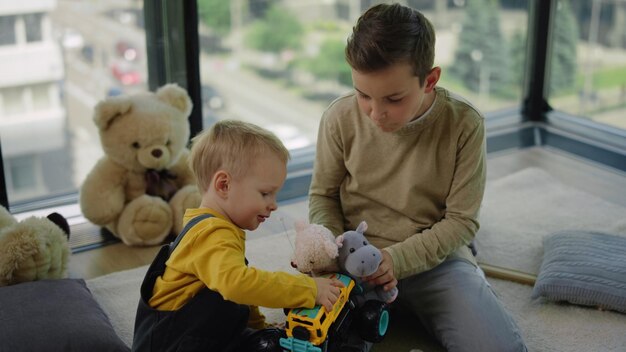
point(206, 323)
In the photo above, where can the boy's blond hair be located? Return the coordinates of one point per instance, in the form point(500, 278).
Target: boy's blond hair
point(232, 146)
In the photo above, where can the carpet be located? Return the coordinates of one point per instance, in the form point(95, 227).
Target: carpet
point(517, 212)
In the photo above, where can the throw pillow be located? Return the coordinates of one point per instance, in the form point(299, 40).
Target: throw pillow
point(54, 315)
point(584, 267)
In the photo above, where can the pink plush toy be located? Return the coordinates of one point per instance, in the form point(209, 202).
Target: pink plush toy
point(315, 251)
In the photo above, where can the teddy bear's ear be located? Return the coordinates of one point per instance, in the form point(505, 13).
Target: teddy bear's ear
point(176, 96)
point(61, 222)
point(6, 219)
point(107, 110)
point(362, 227)
point(331, 249)
point(300, 225)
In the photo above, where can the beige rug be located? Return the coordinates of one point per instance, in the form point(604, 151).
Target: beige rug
point(519, 210)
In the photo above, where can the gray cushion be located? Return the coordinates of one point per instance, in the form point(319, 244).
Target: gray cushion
point(583, 267)
point(54, 315)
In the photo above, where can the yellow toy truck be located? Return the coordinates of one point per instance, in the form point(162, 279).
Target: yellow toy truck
point(318, 330)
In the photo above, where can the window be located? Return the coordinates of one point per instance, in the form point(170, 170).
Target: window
point(69, 57)
point(23, 173)
point(7, 30)
point(588, 66)
point(13, 101)
point(279, 64)
point(41, 96)
point(32, 23)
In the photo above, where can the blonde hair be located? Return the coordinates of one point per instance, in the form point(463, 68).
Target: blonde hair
point(232, 146)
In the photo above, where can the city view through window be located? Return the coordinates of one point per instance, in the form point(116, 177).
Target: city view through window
point(277, 63)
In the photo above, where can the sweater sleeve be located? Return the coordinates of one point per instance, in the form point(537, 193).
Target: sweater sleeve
point(220, 264)
point(459, 225)
point(329, 172)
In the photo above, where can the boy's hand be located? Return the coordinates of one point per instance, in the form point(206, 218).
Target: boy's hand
point(384, 275)
point(327, 291)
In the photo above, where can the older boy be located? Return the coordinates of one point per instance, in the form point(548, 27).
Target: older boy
point(199, 295)
point(409, 158)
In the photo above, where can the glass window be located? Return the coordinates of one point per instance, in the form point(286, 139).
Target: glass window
point(280, 64)
point(588, 63)
point(13, 101)
point(94, 50)
point(23, 173)
point(7, 30)
point(41, 96)
point(32, 22)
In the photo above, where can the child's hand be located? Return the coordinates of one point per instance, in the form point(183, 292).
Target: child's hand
point(384, 275)
point(327, 291)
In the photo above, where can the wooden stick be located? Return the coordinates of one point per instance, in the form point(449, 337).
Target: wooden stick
point(508, 274)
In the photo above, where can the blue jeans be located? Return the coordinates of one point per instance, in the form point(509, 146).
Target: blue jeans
point(457, 306)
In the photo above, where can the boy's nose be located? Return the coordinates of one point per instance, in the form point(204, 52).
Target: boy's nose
point(377, 113)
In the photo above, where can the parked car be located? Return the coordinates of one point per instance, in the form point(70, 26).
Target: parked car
point(211, 98)
point(72, 39)
point(126, 73)
point(126, 50)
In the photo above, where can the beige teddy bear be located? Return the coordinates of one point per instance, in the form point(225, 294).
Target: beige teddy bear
point(140, 188)
point(32, 249)
point(316, 251)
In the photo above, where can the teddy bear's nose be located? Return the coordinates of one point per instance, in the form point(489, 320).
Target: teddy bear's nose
point(157, 153)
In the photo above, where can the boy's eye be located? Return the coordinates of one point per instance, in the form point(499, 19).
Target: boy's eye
point(362, 96)
point(394, 100)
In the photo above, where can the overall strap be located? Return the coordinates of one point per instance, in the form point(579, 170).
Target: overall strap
point(189, 225)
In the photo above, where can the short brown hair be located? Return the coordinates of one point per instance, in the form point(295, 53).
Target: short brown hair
point(232, 146)
point(387, 34)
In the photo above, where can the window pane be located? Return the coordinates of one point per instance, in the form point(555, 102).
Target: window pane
point(33, 27)
point(280, 63)
point(13, 101)
point(41, 96)
point(7, 30)
point(588, 66)
point(70, 56)
point(23, 174)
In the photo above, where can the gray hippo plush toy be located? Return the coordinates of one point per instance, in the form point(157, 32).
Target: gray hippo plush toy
point(358, 258)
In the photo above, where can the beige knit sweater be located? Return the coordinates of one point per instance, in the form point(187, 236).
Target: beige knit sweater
point(419, 189)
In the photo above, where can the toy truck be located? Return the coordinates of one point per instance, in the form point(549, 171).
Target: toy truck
point(318, 330)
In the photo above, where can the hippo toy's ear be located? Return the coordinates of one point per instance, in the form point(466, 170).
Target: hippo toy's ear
point(362, 227)
point(339, 241)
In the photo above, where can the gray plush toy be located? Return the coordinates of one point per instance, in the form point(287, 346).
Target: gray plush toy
point(358, 258)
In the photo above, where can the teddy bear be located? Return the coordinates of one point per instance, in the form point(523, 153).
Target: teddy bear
point(142, 185)
point(358, 258)
point(315, 251)
point(35, 248)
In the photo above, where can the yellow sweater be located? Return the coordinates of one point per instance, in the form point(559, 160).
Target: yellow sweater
point(419, 189)
point(212, 254)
